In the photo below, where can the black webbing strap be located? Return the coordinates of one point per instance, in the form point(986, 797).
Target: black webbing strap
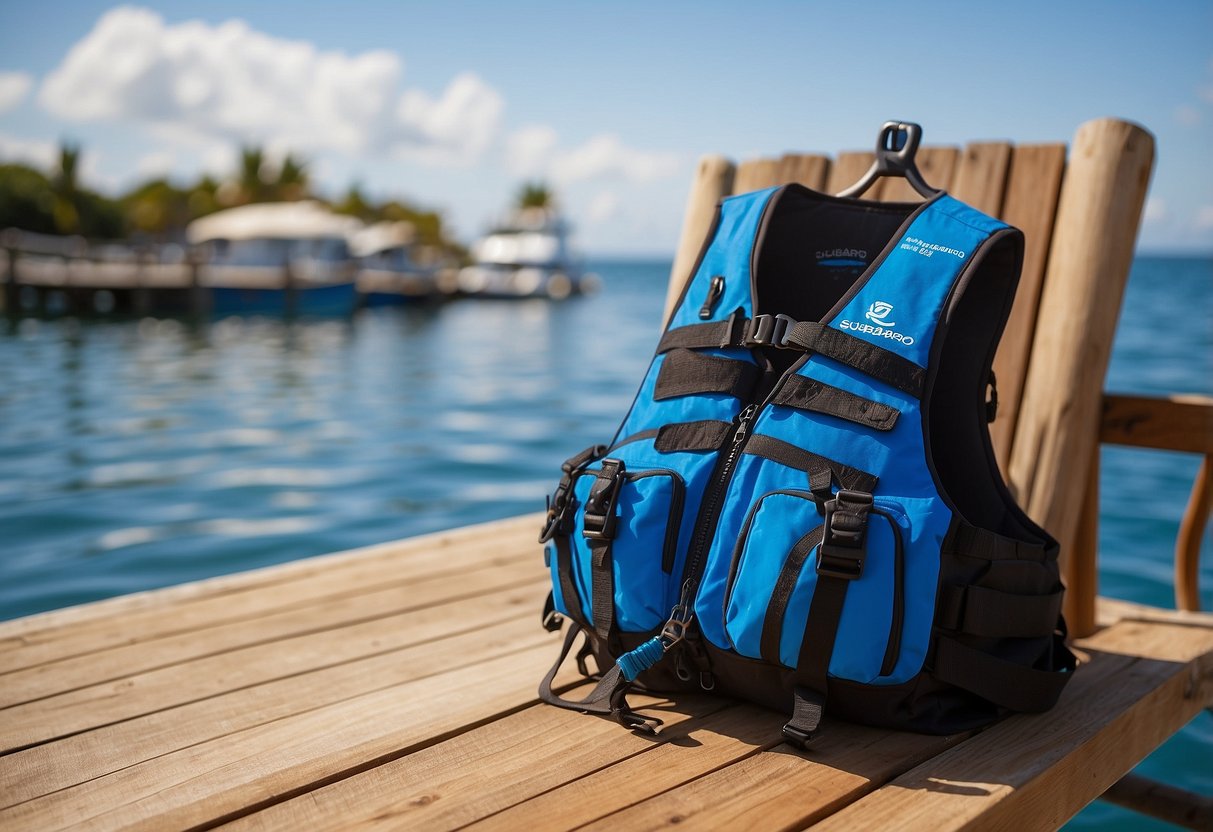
point(685, 373)
point(1010, 685)
point(989, 613)
point(564, 573)
point(599, 519)
point(772, 623)
point(817, 397)
point(866, 357)
point(608, 698)
point(704, 435)
point(987, 545)
point(840, 559)
point(785, 453)
point(726, 333)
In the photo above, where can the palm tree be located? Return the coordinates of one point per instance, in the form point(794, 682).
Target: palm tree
point(292, 178)
point(252, 185)
point(536, 195)
point(67, 187)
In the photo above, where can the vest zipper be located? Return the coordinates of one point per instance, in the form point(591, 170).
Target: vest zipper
point(705, 527)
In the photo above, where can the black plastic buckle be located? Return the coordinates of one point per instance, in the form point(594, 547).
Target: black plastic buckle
point(844, 537)
point(769, 331)
point(599, 517)
point(798, 738)
point(559, 519)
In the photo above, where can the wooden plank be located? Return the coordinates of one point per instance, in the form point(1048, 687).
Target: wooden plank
point(1081, 568)
point(713, 180)
point(848, 168)
point(41, 769)
point(936, 163)
point(981, 176)
point(1097, 221)
point(1172, 423)
point(153, 634)
point(498, 766)
point(756, 174)
point(383, 560)
point(205, 783)
point(1142, 682)
point(782, 788)
point(135, 694)
point(810, 170)
point(705, 745)
point(1191, 529)
point(1030, 204)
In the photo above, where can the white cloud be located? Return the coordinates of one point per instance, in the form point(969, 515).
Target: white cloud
point(13, 87)
point(230, 82)
point(34, 152)
point(604, 156)
point(156, 164)
point(528, 150)
point(603, 207)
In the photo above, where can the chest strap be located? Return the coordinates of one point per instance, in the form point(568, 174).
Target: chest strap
point(782, 332)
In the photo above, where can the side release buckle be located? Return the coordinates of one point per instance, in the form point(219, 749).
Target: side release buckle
point(844, 535)
point(559, 519)
point(599, 516)
point(769, 331)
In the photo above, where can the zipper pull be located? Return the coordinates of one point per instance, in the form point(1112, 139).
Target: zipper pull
point(715, 290)
point(675, 629)
point(743, 423)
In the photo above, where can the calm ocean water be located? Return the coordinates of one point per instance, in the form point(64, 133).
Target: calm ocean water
point(137, 454)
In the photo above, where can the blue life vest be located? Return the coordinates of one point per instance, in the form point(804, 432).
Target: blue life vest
point(802, 504)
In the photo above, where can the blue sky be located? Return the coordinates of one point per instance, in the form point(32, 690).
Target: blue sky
point(454, 104)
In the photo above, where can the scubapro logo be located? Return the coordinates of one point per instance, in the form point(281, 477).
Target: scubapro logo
point(878, 313)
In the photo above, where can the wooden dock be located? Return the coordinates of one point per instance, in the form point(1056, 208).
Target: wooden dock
point(395, 686)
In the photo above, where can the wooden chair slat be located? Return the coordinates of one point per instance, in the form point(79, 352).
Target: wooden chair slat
point(756, 174)
point(937, 164)
point(810, 170)
point(1033, 184)
point(1096, 227)
point(848, 167)
point(713, 180)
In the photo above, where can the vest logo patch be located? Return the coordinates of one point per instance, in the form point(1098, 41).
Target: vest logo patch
point(879, 312)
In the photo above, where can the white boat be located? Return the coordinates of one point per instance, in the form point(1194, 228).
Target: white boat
point(389, 271)
point(527, 257)
point(278, 256)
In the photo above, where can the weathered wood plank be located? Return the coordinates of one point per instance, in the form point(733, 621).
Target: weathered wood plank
point(497, 768)
point(781, 788)
point(246, 769)
point(938, 166)
point(1030, 204)
point(136, 694)
point(122, 620)
point(77, 679)
point(756, 174)
point(713, 180)
point(1097, 221)
point(981, 176)
point(848, 168)
point(1171, 423)
point(810, 170)
point(709, 743)
point(1143, 682)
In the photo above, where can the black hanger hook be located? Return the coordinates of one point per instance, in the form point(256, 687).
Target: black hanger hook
point(896, 145)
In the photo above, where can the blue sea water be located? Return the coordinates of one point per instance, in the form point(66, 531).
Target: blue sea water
point(142, 453)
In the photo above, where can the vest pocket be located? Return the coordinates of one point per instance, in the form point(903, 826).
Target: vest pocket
point(626, 546)
point(773, 576)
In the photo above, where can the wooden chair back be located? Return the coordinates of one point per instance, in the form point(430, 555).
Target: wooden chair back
point(1080, 218)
